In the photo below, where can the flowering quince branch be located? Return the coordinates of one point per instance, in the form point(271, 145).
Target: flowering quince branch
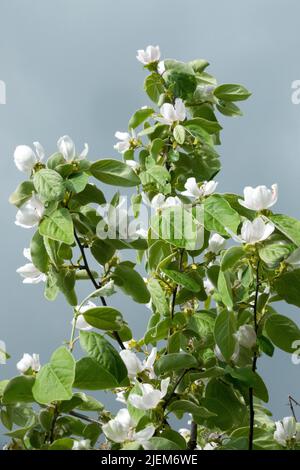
point(216, 264)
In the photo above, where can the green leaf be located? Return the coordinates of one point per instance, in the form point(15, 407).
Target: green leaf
point(186, 406)
point(224, 288)
point(179, 134)
point(219, 216)
point(160, 443)
point(231, 257)
point(198, 124)
point(114, 172)
point(39, 253)
point(90, 375)
point(49, 184)
point(153, 86)
point(139, 117)
point(158, 297)
point(55, 160)
point(102, 251)
point(64, 443)
point(225, 327)
point(181, 79)
point(202, 323)
point(178, 227)
point(199, 65)
point(183, 279)
point(220, 398)
point(288, 287)
point(155, 174)
point(22, 194)
point(251, 379)
point(58, 226)
point(65, 280)
point(54, 381)
point(104, 353)
point(282, 331)
point(19, 390)
point(289, 226)
point(273, 253)
point(90, 194)
point(77, 183)
point(229, 109)
point(230, 92)
point(202, 167)
point(104, 318)
point(132, 283)
point(175, 361)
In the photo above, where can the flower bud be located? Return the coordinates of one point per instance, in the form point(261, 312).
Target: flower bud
point(246, 336)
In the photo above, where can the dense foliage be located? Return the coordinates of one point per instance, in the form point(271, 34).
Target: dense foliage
point(216, 266)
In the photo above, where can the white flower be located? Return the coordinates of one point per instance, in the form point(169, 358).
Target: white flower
point(30, 213)
point(151, 54)
point(185, 433)
point(216, 243)
point(193, 190)
point(29, 272)
point(29, 362)
point(150, 397)
point(172, 113)
point(26, 159)
point(208, 446)
point(84, 444)
point(259, 198)
point(125, 141)
point(161, 67)
point(121, 429)
point(135, 366)
point(149, 363)
point(246, 336)
point(132, 363)
point(133, 164)
point(255, 231)
point(234, 356)
point(121, 396)
point(208, 286)
point(81, 323)
point(285, 430)
point(160, 201)
point(67, 148)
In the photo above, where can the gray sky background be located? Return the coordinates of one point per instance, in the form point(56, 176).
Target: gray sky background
point(70, 68)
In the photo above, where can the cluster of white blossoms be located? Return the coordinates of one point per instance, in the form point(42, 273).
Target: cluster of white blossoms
point(257, 199)
point(26, 158)
point(196, 191)
point(147, 397)
point(286, 432)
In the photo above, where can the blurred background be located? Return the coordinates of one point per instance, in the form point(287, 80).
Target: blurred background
point(70, 68)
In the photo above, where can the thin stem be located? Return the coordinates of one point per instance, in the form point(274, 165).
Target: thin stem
point(293, 402)
point(168, 399)
point(83, 417)
point(54, 419)
point(192, 444)
point(71, 342)
point(95, 284)
point(254, 362)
